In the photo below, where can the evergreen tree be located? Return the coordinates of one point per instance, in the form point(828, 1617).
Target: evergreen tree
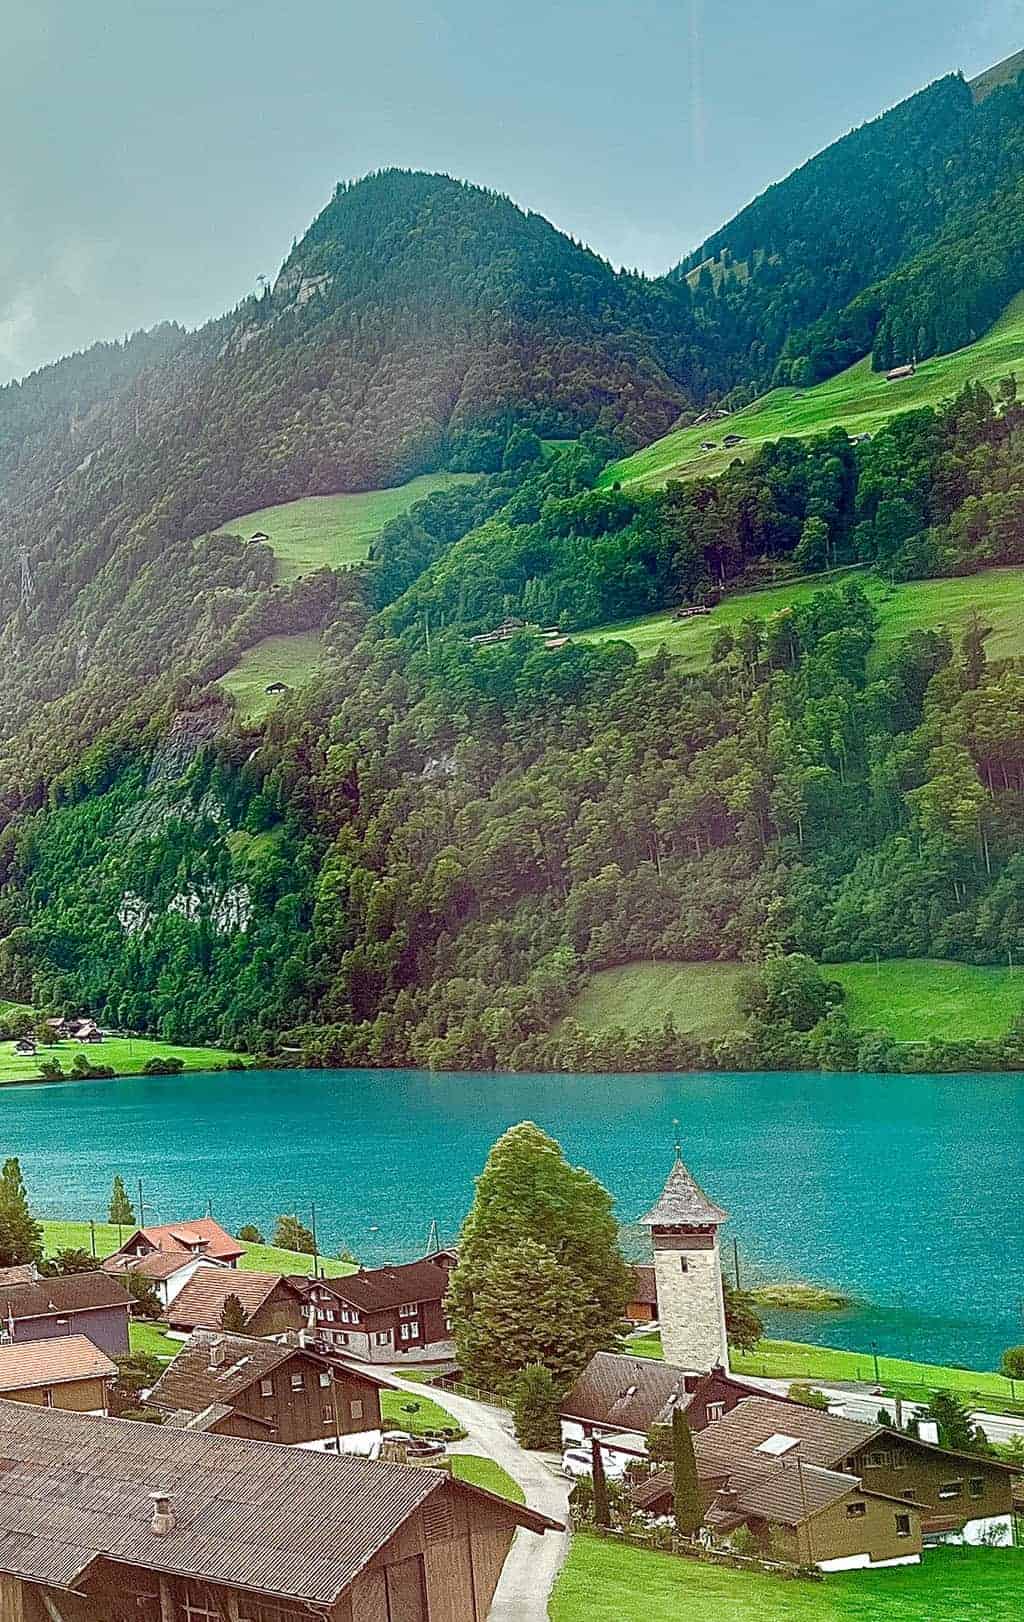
point(233, 1316)
point(21, 1237)
point(120, 1209)
point(535, 1407)
point(250, 1234)
point(291, 1234)
point(687, 1506)
point(540, 1277)
point(602, 1511)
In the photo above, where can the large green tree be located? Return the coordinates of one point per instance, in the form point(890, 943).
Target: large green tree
point(540, 1277)
point(21, 1237)
point(121, 1211)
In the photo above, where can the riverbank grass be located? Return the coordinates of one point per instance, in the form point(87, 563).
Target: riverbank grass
point(256, 1258)
point(126, 1055)
point(604, 1581)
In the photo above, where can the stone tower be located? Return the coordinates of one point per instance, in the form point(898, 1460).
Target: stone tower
point(684, 1228)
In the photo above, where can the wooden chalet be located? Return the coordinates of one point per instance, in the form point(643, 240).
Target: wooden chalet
point(108, 1520)
point(948, 1496)
point(272, 1304)
point(89, 1304)
point(168, 1271)
point(384, 1314)
point(200, 1237)
point(235, 1385)
point(64, 1372)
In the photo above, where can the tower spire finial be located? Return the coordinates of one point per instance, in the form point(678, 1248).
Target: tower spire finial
point(678, 1145)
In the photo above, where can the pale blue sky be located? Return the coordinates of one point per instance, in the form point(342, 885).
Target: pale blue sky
point(161, 154)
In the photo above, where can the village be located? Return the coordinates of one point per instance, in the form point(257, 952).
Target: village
point(184, 1435)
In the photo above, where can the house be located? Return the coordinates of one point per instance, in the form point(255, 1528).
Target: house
point(89, 1304)
point(103, 1519)
point(384, 1314)
point(276, 687)
point(708, 445)
point(65, 1372)
point(642, 1306)
point(25, 1047)
point(896, 373)
point(259, 535)
point(235, 1385)
point(202, 1237)
point(684, 1225)
point(732, 439)
point(272, 1304)
point(78, 1030)
point(168, 1271)
point(959, 1497)
point(620, 1398)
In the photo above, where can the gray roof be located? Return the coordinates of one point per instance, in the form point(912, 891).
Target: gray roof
point(684, 1203)
point(276, 1520)
point(214, 1367)
point(72, 1292)
point(630, 1393)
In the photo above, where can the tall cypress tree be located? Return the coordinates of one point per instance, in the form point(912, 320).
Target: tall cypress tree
point(602, 1511)
point(21, 1237)
point(120, 1209)
point(686, 1500)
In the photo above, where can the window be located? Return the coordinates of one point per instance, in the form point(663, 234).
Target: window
point(297, 1382)
point(877, 1461)
point(266, 1388)
point(950, 1489)
point(684, 1266)
point(910, 1495)
point(328, 1414)
point(899, 1459)
point(348, 1316)
point(856, 1510)
point(199, 1606)
point(715, 1410)
point(407, 1310)
point(331, 1315)
point(976, 1486)
point(340, 1339)
point(48, 1398)
point(407, 1330)
point(903, 1526)
point(382, 1337)
point(325, 1378)
point(355, 1409)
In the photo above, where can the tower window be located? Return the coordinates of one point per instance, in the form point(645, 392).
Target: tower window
point(684, 1266)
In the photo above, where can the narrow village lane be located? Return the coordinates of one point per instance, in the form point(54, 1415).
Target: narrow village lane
point(533, 1562)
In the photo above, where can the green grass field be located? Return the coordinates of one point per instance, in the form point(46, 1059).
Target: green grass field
point(859, 400)
point(257, 1258)
point(606, 1582)
point(126, 1055)
point(920, 605)
point(401, 1411)
point(291, 659)
point(911, 998)
point(334, 530)
point(485, 1473)
point(150, 1338)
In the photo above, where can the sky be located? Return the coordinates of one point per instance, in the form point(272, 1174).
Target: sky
point(160, 155)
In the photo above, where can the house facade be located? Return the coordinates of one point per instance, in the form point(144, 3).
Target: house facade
point(89, 1304)
point(124, 1530)
point(234, 1385)
point(642, 1306)
point(384, 1314)
point(66, 1372)
point(273, 1305)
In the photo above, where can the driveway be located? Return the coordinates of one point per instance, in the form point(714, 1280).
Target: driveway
point(533, 1562)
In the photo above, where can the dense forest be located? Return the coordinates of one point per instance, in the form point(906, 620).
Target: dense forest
point(423, 854)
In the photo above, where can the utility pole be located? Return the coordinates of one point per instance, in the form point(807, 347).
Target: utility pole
point(433, 1239)
point(312, 1226)
point(142, 1223)
point(92, 1235)
point(736, 1262)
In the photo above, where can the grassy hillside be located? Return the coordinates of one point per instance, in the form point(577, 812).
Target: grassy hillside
point(911, 999)
point(126, 1055)
point(603, 1581)
point(334, 530)
point(291, 659)
point(918, 605)
point(257, 1258)
point(858, 400)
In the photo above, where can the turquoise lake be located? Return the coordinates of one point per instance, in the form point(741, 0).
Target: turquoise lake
point(904, 1191)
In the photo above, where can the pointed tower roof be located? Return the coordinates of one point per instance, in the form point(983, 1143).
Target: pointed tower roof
point(683, 1202)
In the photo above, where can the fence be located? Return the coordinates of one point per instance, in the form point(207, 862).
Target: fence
point(693, 1549)
point(459, 1388)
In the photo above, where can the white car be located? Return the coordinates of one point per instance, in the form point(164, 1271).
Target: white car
point(578, 1461)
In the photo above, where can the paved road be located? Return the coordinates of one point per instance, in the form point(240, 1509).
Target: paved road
point(534, 1561)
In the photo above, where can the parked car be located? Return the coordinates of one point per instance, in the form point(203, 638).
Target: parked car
point(578, 1461)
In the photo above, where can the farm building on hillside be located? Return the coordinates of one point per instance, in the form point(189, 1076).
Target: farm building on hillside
point(896, 373)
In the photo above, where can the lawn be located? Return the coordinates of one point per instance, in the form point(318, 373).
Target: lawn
point(919, 605)
point(126, 1054)
point(485, 1473)
point(606, 1582)
point(859, 400)
point(401, 1411)
point(257, 1258)
point(150, 1338)
point(334, 530)
point(291, 659)
point(701, 997)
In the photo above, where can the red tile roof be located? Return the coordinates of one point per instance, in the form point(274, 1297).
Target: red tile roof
point(185, 1235)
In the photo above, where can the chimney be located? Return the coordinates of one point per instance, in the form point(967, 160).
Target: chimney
point(727, 1498)
point(163, 1514)
point(218, 1353)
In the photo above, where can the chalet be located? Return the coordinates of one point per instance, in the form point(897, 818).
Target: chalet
point(384, 1314)
point(25, 1047)
point(77, 1030)
point(958, 1497)
point(203, 1237)
point(272, 1304)
point(642, 1306)
point(897, 373)
point(106, 1519)
point(708, 445)
point(89, 1304)
point(259, 535)
point(168, 1271)
point(235, 1385)
point(620, 1398)
point(276, 687)
point(732, 439)
point(69, 1372)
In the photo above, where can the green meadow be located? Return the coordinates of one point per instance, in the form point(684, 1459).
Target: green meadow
point(108, 1236)
point(332, 531)
point(291, 659)
point(919, 605)
point(125, 1054)
point(859, 400)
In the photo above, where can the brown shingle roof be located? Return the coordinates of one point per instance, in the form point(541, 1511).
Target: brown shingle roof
point(74, 1293)
point(627, 1392)
point(825, 1439)
point(196, 1379)
point(203, 1297)
point(29, 1363)
point(683, 1202)
point(157, 1264)
point(379, 1288)
point(184, 1235)
point(275, 1520)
